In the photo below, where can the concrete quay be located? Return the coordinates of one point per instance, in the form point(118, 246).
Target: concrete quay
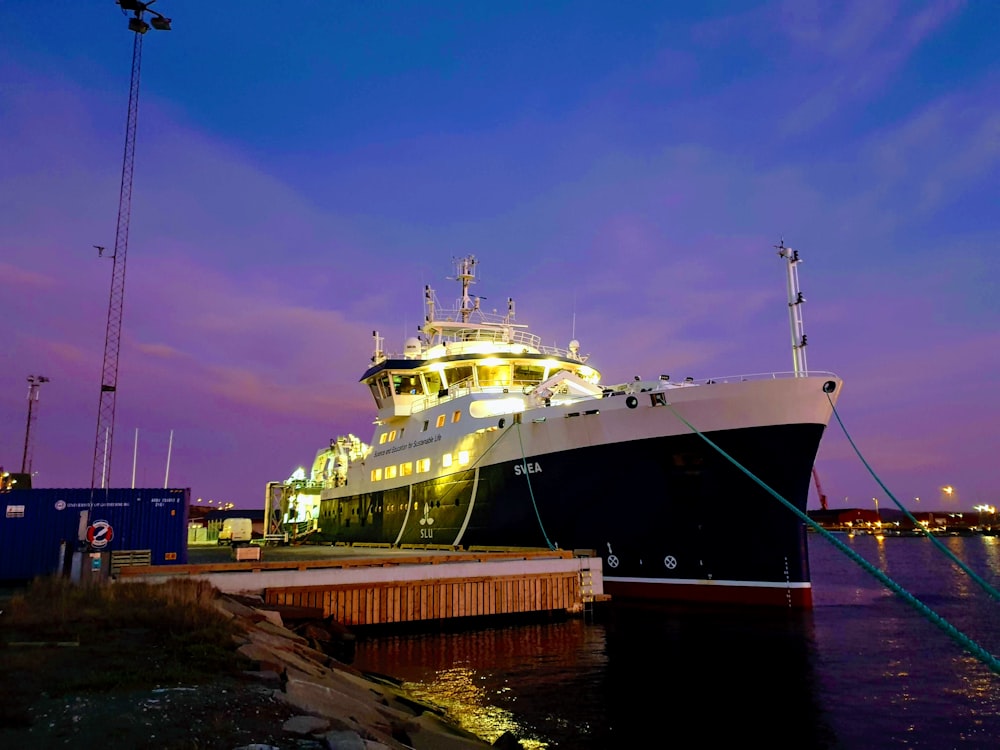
point(362, 586)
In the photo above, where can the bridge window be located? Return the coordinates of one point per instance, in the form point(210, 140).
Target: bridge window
point(407, 384)
point(525, 374)
point(432, 380)
point(384, 385)
point(459, 376)
point(493, 375)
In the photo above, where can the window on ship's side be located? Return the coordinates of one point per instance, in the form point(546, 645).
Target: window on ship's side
point(392, 435)
point(424, 428)
point(423, 465)
point(440, 420)
point(376, 475)
point(383, 437)
point(456, 415)
point(406, 469)
point(446, 460)
point(463, 458)
point(390, 472)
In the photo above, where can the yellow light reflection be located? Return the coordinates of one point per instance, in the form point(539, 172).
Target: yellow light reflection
point(456, 692)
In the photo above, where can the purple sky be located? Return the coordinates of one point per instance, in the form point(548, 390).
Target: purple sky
point(622, 171)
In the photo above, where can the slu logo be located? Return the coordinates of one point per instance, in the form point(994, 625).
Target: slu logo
point(427, 533)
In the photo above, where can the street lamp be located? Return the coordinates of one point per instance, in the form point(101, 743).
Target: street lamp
point(137, 23)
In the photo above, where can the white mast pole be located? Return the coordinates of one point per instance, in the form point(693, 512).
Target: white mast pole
point(795, 300)
point(105, 479)
point(135, 454)
point(170, 447)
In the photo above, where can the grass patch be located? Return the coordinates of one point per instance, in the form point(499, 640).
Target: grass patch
point(129, 636)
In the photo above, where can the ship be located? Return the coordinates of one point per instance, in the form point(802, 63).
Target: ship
point(486, 439)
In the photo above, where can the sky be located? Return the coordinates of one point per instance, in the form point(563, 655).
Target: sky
point(622, 170)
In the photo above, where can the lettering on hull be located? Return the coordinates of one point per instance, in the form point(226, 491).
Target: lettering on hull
point(527, 468)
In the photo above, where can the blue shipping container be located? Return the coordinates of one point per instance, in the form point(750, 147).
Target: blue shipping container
point(41, 528)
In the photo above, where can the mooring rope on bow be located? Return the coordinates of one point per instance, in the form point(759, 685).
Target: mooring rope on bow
point(916, 524)
point(954, 633)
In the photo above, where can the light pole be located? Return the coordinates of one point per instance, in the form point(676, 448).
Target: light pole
point(34, 381)
point(104, 439)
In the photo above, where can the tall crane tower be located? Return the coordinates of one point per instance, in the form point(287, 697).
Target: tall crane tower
point(112, 338)
point(34, 382)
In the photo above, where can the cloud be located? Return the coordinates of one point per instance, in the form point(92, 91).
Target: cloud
point(850, 52)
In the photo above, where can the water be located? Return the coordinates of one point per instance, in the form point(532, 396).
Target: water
point(862, 670)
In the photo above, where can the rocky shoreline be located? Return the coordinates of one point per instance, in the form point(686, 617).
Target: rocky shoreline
point(341, 707)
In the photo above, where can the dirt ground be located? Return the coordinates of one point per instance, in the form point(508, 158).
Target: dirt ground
point(97, 685)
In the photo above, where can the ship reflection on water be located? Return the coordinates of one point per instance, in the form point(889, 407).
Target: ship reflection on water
point(861, 670)
point(637, 674)
point(514, 678)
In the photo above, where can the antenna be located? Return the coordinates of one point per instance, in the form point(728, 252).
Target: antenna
point(573, 333)
point(112, 336)
point(795, 301)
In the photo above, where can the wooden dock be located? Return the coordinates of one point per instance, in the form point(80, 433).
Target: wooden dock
point(383, 587)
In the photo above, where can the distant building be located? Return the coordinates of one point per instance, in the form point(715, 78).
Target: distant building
point(10, 480)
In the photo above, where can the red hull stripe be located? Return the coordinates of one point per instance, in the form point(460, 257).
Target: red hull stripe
point(795, 595)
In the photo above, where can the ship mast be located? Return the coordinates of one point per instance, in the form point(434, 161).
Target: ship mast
point(467, 275)
point(795, 300)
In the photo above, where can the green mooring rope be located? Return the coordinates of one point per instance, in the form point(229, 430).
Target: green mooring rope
point(527, 476)
point(937, 542)
point(970, 645)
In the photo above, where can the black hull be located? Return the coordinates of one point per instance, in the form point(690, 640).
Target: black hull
point(671, 517)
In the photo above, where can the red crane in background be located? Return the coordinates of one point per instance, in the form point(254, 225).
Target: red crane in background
point(112, 337)
point(819, 489)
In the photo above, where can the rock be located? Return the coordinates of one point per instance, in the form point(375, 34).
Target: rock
point(353, 711)
point(264, 675)
point(306, 725)
point(271, 616)
point(324, 697)
point(344, 740)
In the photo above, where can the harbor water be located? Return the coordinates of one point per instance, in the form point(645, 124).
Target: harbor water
point(864, 669)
